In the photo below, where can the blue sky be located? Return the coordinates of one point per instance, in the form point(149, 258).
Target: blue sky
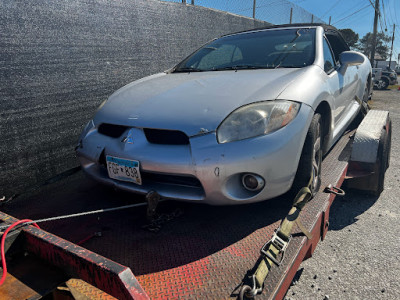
point(362, 21)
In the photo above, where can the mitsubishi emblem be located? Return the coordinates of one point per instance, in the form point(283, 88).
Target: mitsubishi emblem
point(128, 139)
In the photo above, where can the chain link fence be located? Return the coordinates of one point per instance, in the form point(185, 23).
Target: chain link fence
point(272, 11)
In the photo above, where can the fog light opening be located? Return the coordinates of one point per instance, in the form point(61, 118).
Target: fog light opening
point(252, 182)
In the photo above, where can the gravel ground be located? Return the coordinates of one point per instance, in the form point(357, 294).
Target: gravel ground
point(359, 259)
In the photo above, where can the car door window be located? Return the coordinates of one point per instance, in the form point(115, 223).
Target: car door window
point(338, 45)
point(329, 61)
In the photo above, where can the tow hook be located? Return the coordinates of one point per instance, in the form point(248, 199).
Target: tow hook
point(152, 199)
point(334, 190)
point(156, 220)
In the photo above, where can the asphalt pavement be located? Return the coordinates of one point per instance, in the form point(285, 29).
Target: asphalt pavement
point(359, 258)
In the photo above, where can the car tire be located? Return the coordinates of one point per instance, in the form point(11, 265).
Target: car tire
point(378, 85)
point(364, 102)
point(310, 159)
point(385, 84)
point(364, 109)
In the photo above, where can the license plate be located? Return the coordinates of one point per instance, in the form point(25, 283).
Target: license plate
point(123, 169)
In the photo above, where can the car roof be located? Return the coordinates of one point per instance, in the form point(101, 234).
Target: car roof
point(329, 29)
point(326, 27)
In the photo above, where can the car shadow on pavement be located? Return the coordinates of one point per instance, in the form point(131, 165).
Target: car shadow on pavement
point(345, 210)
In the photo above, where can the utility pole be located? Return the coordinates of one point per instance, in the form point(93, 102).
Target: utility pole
point(391, 49)
point(372, 58)
point(254, 9)
point(330, 18)
point(291, 15)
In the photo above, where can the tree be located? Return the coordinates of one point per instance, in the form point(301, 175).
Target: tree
point(350, 37)
point(365, 44)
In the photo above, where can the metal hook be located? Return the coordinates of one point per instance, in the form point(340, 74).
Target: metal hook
point(334, 190)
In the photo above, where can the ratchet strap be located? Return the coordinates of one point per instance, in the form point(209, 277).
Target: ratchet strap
point(272, 253)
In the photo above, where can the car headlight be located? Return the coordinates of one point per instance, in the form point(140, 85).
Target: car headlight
point(256, 119)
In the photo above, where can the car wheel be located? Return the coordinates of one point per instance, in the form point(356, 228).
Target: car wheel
point(310, 159)
point(364, 107)
point(364, 103)
point(385, 84)
point(378, 85)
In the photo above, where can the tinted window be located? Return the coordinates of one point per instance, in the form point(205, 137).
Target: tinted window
point(287, 48)
point(338, 45)
point(329, 62)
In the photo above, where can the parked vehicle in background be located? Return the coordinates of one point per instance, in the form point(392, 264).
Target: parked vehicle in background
point(376, 74)
point(388, 77)
point(243, 119)
point(384, 64)
point(397, 70)
point(377, 78)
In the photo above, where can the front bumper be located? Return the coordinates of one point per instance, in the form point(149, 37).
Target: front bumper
point(203, 171)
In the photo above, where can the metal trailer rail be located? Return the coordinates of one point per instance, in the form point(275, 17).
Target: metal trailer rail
point(204, 253)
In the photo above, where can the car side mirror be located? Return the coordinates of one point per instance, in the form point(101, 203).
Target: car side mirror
point(350, 58)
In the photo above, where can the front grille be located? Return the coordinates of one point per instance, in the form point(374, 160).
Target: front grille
point(170, 179)
point(166, 137)
point(111, 130)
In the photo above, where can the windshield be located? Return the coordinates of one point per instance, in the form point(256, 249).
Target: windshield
point(288, 48)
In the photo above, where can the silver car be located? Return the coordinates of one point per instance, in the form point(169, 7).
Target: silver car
point(245, 118)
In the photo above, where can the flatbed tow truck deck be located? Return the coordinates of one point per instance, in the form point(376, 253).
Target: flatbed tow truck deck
point(200, 252)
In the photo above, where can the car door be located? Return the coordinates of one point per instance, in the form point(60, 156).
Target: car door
point(335, 81)
point(342, 86)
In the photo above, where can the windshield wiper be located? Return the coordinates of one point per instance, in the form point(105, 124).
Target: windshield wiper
point(288, 66)
point(242, 67)
point(188, 69)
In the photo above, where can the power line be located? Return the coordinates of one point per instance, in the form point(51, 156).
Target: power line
point(372, 4)
point(393, 21)
point(355, 6)
point(395, 14)
point(380, 22)
point(376, 17)
point(334, 5)
point(384, 14)
point(336, 14)
point(349, 22)
point(352, 14)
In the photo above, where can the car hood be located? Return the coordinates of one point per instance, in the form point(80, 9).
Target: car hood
point(194, 102)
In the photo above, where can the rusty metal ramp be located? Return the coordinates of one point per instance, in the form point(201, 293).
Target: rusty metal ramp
point(201, 251)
